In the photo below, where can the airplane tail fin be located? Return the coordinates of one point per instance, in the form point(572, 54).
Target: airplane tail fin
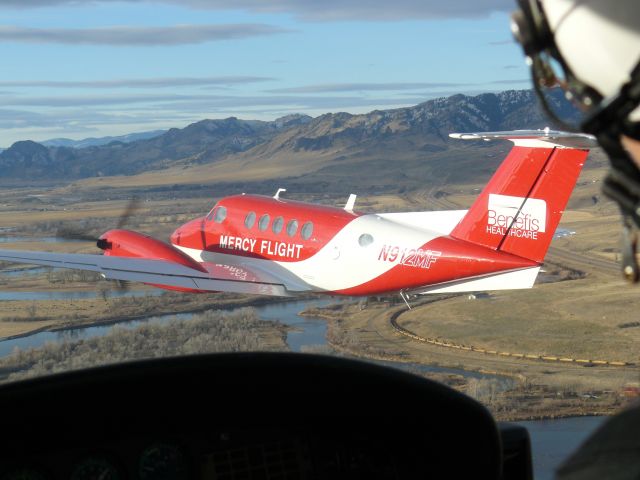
point(519, 209)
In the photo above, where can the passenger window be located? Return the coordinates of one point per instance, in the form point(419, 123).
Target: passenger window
point(250, 219)
point(220, 215)
point(278, 223)
point(307, 230)
point(263, 223)
point(292, 227)
point(365, 240)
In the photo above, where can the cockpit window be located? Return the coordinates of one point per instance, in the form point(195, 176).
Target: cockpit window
point(211, 214)
point(278, 223)
point(292, 227)
point(307, 230)
point(220, 214)
point(263, 224)
point(250, 219)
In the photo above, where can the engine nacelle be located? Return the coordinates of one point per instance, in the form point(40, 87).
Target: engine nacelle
point(127, 243)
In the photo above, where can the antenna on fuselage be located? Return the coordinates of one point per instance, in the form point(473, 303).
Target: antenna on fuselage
point(277, 195)
point(351, 202)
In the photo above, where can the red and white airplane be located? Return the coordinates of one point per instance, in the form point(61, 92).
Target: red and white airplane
point(275, 246)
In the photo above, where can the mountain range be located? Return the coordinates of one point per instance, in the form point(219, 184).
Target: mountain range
point(328, 145)
point(96, 142)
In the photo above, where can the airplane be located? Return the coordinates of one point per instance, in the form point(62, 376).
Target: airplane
point(275, 246)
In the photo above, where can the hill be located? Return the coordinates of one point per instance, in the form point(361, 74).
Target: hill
point(389, 144)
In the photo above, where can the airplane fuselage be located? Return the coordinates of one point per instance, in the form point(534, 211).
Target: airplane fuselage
point(329, 249)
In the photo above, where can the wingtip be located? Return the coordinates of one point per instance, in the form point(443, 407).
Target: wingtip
point(464, 136)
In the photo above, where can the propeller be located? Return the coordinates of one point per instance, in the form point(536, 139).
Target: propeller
point(72, 233)
point(68, 233)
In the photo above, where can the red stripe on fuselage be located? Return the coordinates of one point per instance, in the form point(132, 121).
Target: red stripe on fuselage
point(454, 260)
point(232, 236)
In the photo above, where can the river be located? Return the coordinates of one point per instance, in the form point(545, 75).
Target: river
point(74, 295)
point(552, 440)
point(20, 239)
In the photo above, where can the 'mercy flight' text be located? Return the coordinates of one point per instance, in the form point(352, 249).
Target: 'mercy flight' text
point(261, 247)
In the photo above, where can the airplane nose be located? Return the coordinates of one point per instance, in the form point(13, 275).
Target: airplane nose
point(175, 236)
point(189, 235)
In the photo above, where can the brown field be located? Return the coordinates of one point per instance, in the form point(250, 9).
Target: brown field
point(539, 389)
point(225, 170)
point(577, 319)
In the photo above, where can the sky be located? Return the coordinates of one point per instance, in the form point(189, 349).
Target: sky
point(78, 69)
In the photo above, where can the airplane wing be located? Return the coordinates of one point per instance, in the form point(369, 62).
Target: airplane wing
point(218, 278)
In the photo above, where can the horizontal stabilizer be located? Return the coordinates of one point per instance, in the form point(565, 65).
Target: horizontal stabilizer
point(524, 138)
point(524, 278)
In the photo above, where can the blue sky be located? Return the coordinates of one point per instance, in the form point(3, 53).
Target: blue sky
point(82, 69)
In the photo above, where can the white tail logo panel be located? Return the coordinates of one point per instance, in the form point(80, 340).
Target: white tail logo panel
point(524, 220)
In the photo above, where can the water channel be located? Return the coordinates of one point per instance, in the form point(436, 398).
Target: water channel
point(20, 238)
point(552, 440)
point(74, 295)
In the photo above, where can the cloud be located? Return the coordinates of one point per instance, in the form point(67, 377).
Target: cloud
point(82, 120)
point(205, 106)
point(14, 119)
point(376, 10)
point(137, 36)
point(327, 10)
point(402, 89)
point(138, 82)
point(359, 87)
point(197, 102)
point(96, 100)
point(311, 96)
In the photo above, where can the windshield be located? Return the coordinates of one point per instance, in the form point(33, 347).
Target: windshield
point(123, 122)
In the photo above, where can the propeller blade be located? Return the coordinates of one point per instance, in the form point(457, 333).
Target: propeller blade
point(131, 208)
point(122, 285)
point(71, 234)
